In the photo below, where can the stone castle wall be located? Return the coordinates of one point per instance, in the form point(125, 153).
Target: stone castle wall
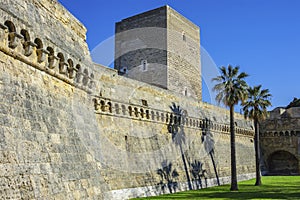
point(73, 129)
point(280, 141)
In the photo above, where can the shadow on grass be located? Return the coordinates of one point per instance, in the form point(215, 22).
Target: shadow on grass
point(275, 188)
point(279, 194)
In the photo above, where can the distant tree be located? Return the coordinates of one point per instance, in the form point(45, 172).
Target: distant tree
point(232, 89)
point(255, 108)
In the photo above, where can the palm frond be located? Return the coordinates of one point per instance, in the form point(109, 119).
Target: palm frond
point(256, 105)
point(231, 86)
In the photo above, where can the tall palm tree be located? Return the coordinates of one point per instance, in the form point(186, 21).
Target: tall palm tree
point(232, 89)
point(256, 108)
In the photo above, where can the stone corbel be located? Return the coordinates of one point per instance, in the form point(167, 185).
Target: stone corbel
point(63, 67)
point(27, 46)
point(72, 72)
point(85, 80)
point(91, 83)
point(97, 104)
point(52, 61)
point(12, 39)
point(4, 27)
point(79, 77)
point(41, 54)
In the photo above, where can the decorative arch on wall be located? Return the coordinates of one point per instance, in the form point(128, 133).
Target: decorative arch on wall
point(27, 44)
point(33, 51)
point(12, 34)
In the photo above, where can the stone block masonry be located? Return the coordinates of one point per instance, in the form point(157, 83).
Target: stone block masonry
point(72, 129)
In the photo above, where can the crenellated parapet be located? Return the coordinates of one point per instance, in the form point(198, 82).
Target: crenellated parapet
point(284, 133)
point(26, 47)
point(105, 106)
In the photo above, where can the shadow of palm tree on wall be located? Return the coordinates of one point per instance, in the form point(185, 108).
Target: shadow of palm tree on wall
point(168, 176)
point(209, 144)
point(198, 173)
point(176, 128)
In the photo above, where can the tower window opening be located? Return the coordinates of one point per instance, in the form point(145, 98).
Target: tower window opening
point(124, 70)
point(183, 36)
point(185, 92)
point(144, 65)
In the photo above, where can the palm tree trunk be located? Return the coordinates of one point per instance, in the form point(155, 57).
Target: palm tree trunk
point(234, 185)
point(257, 152)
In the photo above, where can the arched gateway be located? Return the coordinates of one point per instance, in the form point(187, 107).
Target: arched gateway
point(283, 162)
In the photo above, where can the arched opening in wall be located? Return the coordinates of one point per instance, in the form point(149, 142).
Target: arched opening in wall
point(102, 103)
point(51, 58)
point(117, 108)
point(152, 115)
point(39, 43)
point(40, 52)
point(136, 112)
point(85, 79)
point(12, 34)
point(130, 110)
point(109, 107)
point(162, 117)
point(157, 116)
point(123, 109)
point(62, 64)
point(201, 124)
point(71, 68)
point(144, 64)
point(183, 36)
point(78, 74)
point(11, 27)
point(142, 113)
point(287, 133)
point(185, 92)
point(175, 119)
point(281, 133)
point(92, 82)
point(283, 163)
point(187, 121)
point(147, 114)
point(26, 43)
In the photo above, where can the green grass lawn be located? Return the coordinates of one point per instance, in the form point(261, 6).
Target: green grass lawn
point(274, 187)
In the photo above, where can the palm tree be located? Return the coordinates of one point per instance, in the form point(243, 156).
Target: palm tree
point(256, 108)
point(232, 89)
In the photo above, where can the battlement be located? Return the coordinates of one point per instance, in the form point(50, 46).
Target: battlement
point(28, 44)
point(73, 129)
point(104, 106)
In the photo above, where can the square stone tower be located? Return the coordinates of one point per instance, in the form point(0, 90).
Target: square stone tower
point(162, 48)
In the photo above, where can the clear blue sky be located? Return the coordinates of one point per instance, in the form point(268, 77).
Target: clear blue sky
point(261, 36)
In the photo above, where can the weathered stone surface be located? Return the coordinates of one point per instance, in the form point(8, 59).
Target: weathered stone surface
point(280, 140)
point(77, 130)
point(168, 43)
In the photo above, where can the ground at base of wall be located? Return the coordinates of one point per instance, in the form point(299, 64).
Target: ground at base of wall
point(159, 190)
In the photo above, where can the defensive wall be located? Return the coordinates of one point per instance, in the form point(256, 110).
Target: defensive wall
point(280, 141)
point(72, 129)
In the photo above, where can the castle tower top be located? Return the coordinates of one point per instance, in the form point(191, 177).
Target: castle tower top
point(162, 48)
